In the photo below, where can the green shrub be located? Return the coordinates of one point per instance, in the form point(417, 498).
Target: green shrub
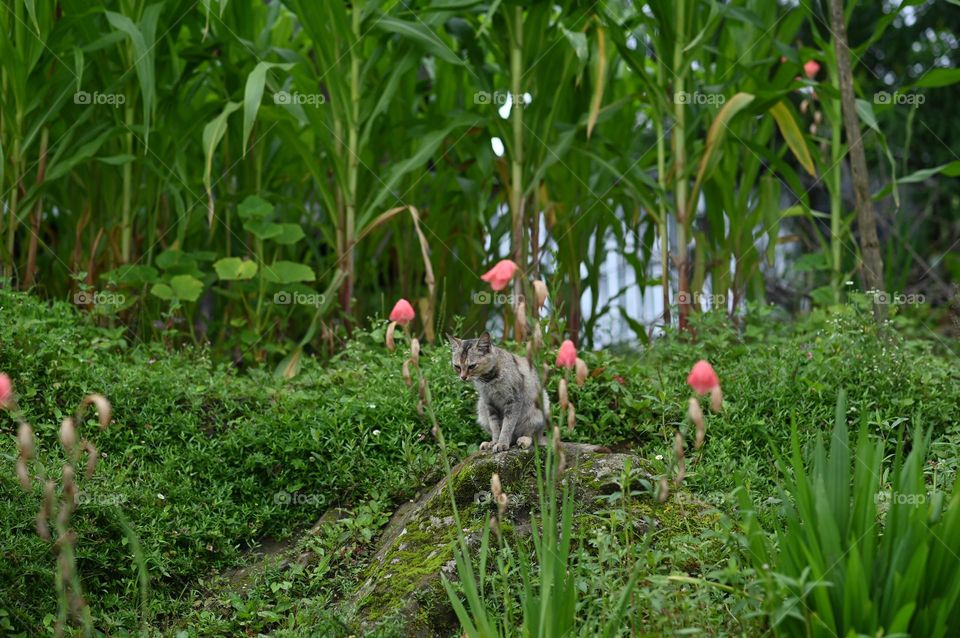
point(845, 563)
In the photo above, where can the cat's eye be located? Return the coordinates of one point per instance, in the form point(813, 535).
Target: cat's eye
point(472, 366)
point(456, 367)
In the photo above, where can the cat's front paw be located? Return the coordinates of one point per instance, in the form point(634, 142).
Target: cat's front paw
point(501, 447)
point(486, 445)
point(524, 442)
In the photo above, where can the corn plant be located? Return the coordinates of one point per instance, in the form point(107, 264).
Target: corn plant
point(857, 556)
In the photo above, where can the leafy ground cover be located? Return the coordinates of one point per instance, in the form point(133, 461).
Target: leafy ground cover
point(208, 462)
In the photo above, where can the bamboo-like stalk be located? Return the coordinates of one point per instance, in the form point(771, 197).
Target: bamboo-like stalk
point(352, 155)
point(14, 198)
point(126, 229)
point(680, 169)
point(29, 275)
point(834, 182)
point(662, 223)
point(516, 158)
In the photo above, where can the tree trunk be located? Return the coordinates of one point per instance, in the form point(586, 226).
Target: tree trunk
point(866, 218)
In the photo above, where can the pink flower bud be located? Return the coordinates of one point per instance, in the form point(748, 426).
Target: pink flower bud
point(391, 344)
point(811, 68)
point(567, 357)
point(582, 371)
point(520, 330)
point(696, 415)
point(402, 312)
point(702, 378)
point(104, 410)
point(540, 292)
point(415, 351)
point(25, 440)
point(716, 398)
point(500, 275)
point(6, 390)
point(68, 434)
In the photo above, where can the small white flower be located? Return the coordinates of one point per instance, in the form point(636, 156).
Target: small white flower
point(659, 457)
point(376, 433)
point(161, 497)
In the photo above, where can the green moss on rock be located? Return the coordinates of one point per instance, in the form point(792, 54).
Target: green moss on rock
point(402, 585)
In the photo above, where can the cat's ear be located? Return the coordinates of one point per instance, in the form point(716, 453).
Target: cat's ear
point(453, 340)
point(483, 343)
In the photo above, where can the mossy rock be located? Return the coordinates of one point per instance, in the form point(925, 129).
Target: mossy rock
point(402, 585)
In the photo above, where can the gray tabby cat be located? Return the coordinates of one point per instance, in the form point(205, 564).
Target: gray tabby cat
point(508, 392)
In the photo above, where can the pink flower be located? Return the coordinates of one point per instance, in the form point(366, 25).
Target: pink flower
point(811, 68)
point(500, 275)
point(567, 357)
point(702, 377)
point(402, 312)
point(6, 389)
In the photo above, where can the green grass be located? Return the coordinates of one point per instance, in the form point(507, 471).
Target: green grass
point(198, 450)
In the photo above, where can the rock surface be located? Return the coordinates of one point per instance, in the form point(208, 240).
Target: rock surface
point(402, 583)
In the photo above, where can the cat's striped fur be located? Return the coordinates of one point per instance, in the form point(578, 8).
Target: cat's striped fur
point(509, 392)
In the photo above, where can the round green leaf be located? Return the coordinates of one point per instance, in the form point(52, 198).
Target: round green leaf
point(288, 272)
point(263, 229)
point(234, 268)
point(162, 291)
point(254, 208)
point(291, 234)
point(186, 287)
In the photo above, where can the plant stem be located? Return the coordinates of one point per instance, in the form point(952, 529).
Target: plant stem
point(352, 157)
point(516, 157)
point(680, 170)
point(28, 276)
point(662, 224)
point(836, 195)
point(126, 230)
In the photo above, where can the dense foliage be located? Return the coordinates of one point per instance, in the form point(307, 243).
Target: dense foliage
point(198, 453)
point(257, 174)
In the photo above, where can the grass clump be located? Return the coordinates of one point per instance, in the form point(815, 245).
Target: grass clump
point(860, 553)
